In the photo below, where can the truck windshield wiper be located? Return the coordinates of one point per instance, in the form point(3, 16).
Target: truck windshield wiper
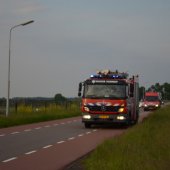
point(91, 96)
point(112, 96)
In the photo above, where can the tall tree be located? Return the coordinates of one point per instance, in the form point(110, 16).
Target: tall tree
point(166, 91)
point(141, 92)
point(163, 89)
point(59, 98)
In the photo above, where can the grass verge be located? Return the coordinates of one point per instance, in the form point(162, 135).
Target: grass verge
point(144, 146)
point(25, 115)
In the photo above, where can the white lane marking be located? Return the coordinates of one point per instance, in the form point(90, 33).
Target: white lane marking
point(81, 135)
point(10, 159)
point(72, 138)
point(88, 133)
point(48, 146)
point(47, 126)
point(60, 142)
point(94, 130)
point(13, 133)
point(27, 130)
point(2, 135)
point(31, 152)
point(45, 147)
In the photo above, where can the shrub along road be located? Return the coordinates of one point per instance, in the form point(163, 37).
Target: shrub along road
point(145, 146)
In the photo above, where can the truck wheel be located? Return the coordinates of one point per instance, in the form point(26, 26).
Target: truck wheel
point(133, 122)
point(137, 117)
point(87, 125)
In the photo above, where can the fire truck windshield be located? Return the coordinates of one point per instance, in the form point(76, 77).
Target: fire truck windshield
point(112, 91)
point(152, 98)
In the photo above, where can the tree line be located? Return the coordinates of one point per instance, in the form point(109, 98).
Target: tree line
point(36, 102)
point(59, 99)
point(163, 89)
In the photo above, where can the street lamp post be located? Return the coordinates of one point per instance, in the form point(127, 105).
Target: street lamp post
point(9, 63)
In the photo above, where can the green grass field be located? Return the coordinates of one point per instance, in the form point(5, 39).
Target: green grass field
point(26, 114)
point(145, 146)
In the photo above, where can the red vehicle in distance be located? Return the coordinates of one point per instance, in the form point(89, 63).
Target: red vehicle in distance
point(152, 101)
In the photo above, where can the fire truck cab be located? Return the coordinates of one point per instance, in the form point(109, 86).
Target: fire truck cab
point(109, 97)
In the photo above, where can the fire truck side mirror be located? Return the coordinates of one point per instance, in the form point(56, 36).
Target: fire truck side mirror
point(131, 90)
point(131, 94)
point(80, 89)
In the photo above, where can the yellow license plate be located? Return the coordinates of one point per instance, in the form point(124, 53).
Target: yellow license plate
point(103, 117)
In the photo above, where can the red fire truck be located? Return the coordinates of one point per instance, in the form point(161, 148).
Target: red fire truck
point(152, 101)
point(109, 97)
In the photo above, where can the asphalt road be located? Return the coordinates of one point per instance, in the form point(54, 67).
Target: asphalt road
point(50, 145)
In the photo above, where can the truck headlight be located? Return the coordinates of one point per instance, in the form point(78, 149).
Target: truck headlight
point(86, 117)
point(121, 117)
point(157, 105)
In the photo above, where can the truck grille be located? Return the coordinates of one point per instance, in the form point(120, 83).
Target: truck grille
point(104, 108)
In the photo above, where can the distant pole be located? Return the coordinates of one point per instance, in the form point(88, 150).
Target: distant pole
point(143, 93)
point(9, 63)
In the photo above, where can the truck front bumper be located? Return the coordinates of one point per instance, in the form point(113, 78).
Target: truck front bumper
point(151, 107)
point(104, 118)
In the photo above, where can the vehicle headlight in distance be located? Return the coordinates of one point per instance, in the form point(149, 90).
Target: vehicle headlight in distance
point(121, 109)
point(121, 117)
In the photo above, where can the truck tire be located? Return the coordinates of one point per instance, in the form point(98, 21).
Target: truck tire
point(137, 117)
point(87, 125)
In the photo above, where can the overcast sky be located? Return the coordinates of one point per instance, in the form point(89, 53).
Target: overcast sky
point(71, 39)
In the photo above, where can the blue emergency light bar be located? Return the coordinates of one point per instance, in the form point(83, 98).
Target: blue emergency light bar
point(111, 76)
